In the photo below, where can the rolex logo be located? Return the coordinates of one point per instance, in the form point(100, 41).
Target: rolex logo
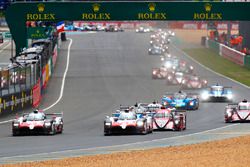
point(208, 7)
point(151, 7)
point(40, 7)
point(96, 7)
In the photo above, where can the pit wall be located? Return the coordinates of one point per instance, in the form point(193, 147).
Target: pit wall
point(229, 53)
point(30, 96)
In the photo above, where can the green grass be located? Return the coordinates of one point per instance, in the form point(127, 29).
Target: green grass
point(219, 64)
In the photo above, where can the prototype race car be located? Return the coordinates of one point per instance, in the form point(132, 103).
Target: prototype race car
point(113, 28)
point(175, 78)
point(169, 119)
point(194, 82)
point(142, 29)
point(181, 100)
point(217, 93)
point(128, 122)
point(238, 112)
point(156, 50)
point(38, 122)
point(159, 73)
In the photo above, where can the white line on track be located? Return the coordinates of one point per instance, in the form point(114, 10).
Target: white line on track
point(209, 69)
point(62, 86)
point(63, 79)
point(1, 50)
point(121, 145)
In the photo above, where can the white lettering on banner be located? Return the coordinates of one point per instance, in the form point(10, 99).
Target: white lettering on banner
point(190, 26)
point(222, 26)
point(203, 26)
point(235, 26)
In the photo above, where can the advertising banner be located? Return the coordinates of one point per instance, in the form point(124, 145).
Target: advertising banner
point(36, 94)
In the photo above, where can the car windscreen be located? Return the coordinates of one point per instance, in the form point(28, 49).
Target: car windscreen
point(35, 117)
point(244, 107)
point(180, 95)
point(127, 116)
point(162, 115)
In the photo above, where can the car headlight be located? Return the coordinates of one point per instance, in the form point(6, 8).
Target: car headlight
point(168, 40)
point(149, 50)
point(191, 67)
point(229, 113)
point(169, 77)
point(191, 103)
point(154, 72)
point(108, 123)
point(162, 58)
point(16, 124)
point(168, 64)
point(151, 42)
point(204, 95)
point(229, 96)
point(140, 123)
point(183, 82)
point(177, 121)
point(136, 30)
point(47, 124)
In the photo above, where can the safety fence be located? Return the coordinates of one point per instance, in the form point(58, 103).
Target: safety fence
point(23, 86)
point(229, 53)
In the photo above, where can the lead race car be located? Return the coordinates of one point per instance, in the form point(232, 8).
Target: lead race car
point(169, 119)
point(237, 112)
point(37, 122)
point(217, 93)
point(181, 100)
point(129, 122)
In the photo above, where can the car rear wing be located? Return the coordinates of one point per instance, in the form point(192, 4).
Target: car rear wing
point(232, 105)
point(122, 108)
point(151, 108)
point(55, 114)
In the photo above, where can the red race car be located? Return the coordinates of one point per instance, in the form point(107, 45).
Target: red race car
point(38, 122)
point(194, 82)
point(169, 119)
point(238, 112)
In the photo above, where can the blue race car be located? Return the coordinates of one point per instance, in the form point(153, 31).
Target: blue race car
point(181, 100)
point(217, 93)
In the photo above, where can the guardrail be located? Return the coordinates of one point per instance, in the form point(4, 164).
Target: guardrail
point(22, 87)
point(229, 53)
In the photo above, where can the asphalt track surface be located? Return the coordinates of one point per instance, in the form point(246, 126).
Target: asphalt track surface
point(106, 70)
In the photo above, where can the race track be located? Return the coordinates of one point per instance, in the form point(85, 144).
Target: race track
point(106, 70)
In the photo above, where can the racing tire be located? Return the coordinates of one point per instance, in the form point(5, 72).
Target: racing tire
point(145, 130)
point(15, 133)
point(53, 130)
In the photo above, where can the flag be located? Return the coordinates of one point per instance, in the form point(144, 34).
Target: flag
point(60, 26)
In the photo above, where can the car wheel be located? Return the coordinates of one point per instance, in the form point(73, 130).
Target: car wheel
point(15, 133)
point(53, 129)
point(145, 129)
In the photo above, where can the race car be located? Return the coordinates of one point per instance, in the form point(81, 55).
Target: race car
point(184, 67)
point(128, 122)
point(237, 112)
point(142, 29)
point(181, 100)
point(169, 119)
point(217, 93)
point(159, 73)
point(175, 78)
point(193, 82)
point(156, 50)
point(113, 28)
point(37, 122)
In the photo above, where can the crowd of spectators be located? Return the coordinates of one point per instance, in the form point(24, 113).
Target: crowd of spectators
point(233, 41)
